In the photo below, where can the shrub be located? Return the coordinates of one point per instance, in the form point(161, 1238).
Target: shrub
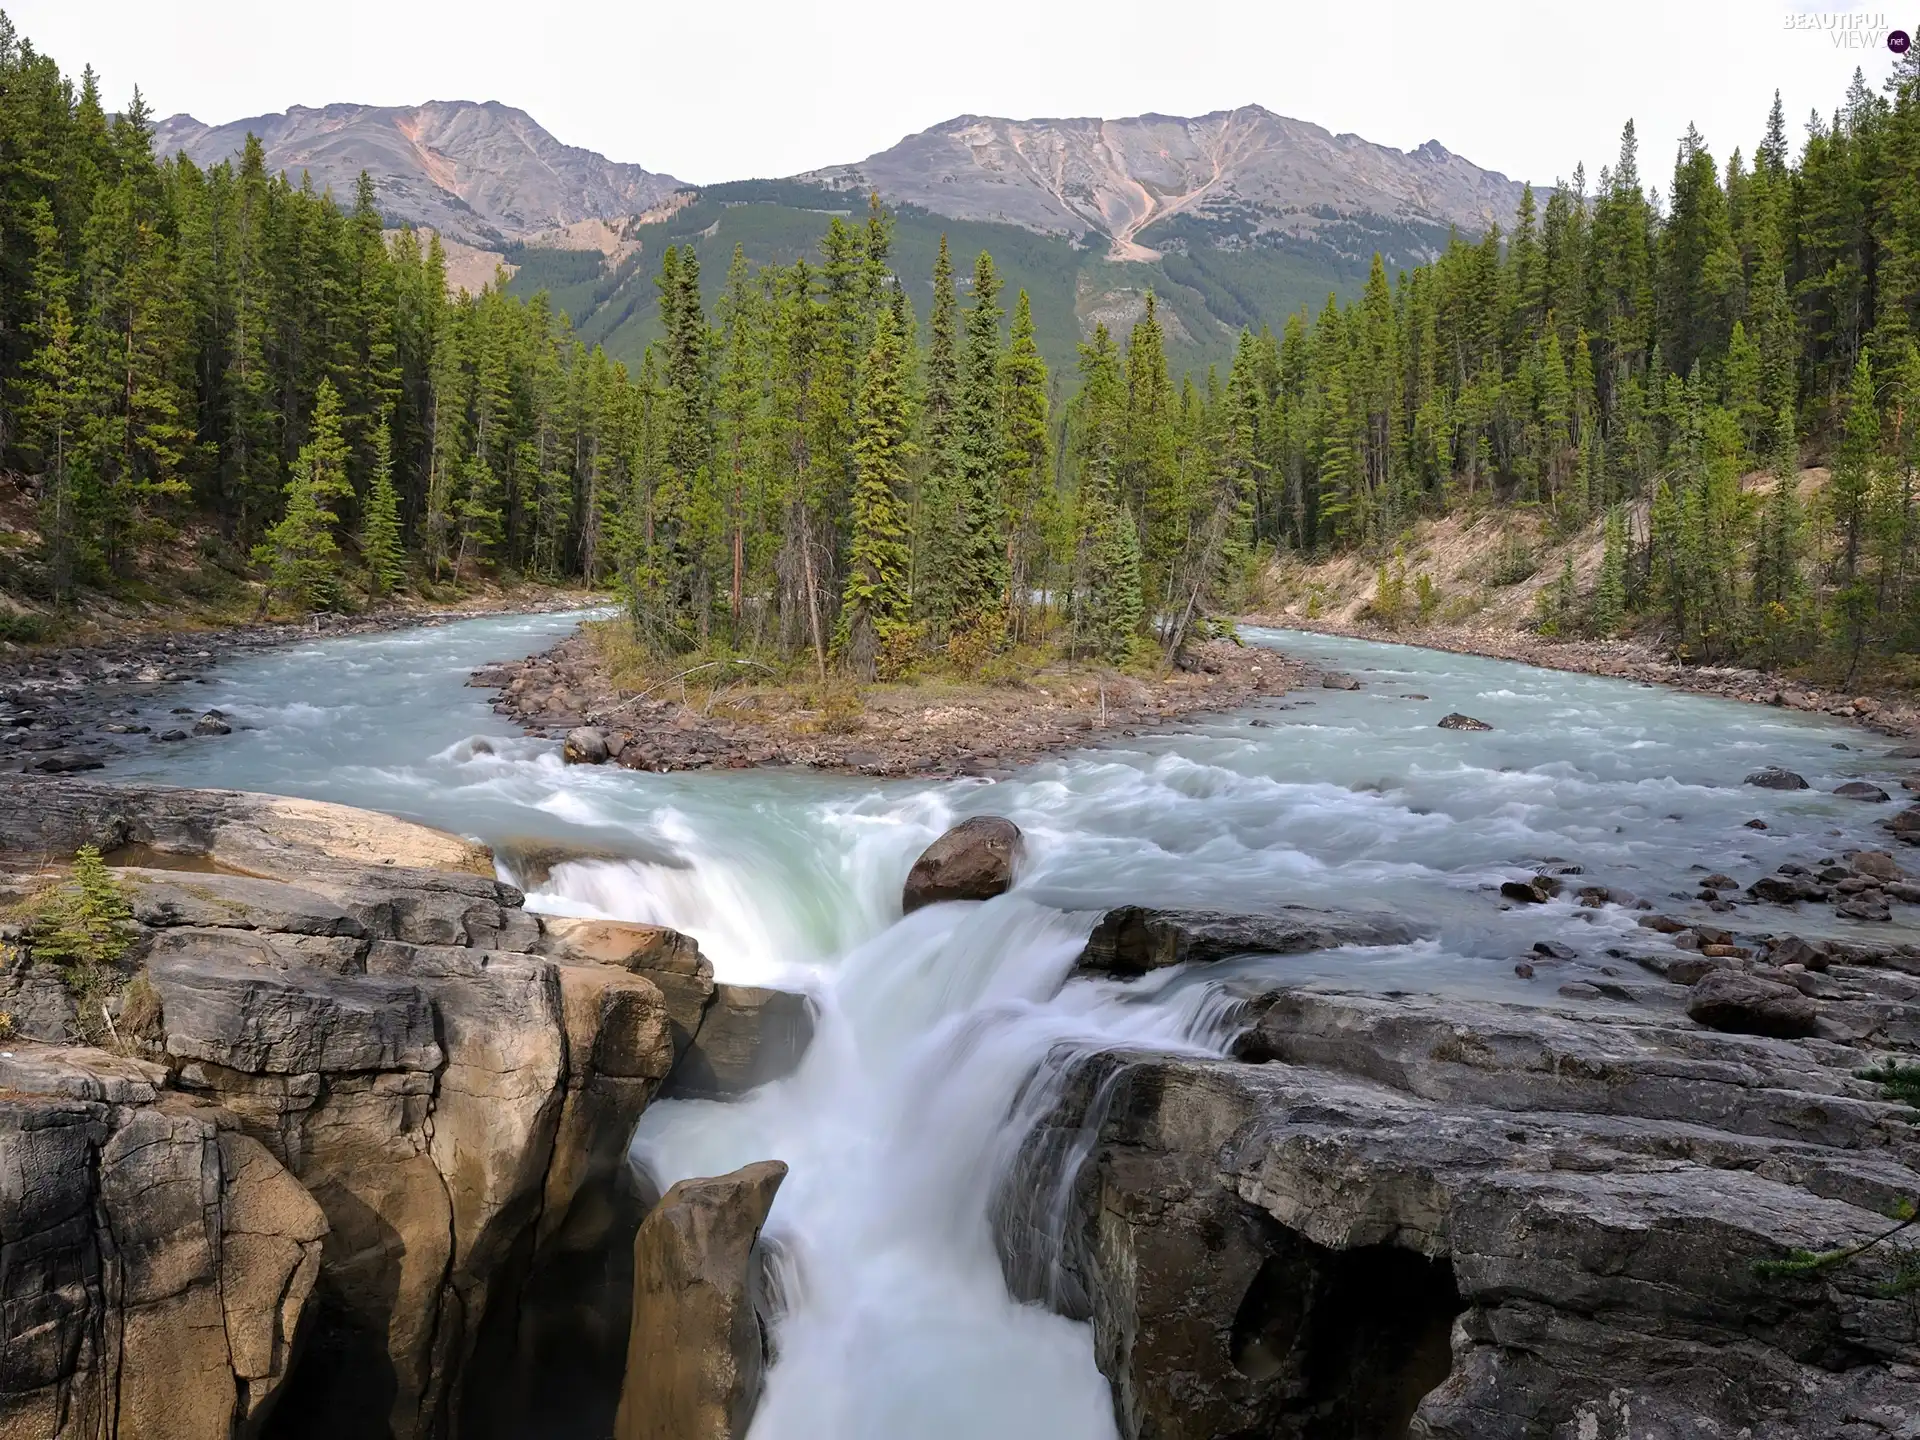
point(1426, 596)
point(1513, 563)
point(85, 920)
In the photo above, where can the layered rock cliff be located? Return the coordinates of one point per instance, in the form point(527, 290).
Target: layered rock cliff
point(358, 1167)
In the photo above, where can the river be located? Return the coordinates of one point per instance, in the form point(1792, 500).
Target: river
point(933, 1028)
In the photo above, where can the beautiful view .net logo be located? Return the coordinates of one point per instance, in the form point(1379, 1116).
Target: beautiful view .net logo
point(1850, 30)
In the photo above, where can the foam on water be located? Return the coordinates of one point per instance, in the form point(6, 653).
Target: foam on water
point(942, 1035)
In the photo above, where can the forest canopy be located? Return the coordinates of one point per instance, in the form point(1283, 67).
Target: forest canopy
point(806, 470)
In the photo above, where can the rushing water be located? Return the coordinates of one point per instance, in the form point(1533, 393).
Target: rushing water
point(932, 1027)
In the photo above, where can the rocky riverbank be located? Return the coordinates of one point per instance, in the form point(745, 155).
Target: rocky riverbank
point(929, 729)
point(1891, 714)
point(1617, 1215)
point(73, 708)
point(336, 1144)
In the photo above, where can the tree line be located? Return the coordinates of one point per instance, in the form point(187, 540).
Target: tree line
point(811, 472)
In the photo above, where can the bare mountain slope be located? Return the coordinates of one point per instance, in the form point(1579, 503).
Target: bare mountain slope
point(480, 173)
point(1245, 173)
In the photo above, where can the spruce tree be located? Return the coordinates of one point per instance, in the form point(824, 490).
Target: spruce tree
point(980, 453)
point(380, 542)
point(1027, 466)
point(875, 600)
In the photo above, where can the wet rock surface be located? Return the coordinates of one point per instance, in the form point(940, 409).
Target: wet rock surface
point(1133, 939)
point(1484, 1220)
point(369, 1146)
point(974, 860)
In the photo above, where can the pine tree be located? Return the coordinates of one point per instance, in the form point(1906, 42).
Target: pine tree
point(1027, 465)
point(980, 452)
point(380, 545)
point(940, 529)
point(1610, 589)
point(875, 601)
point(51, 402)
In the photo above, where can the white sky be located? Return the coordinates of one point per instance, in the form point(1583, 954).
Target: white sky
point(712, 91)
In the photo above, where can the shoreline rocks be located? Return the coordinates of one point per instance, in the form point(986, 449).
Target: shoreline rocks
point(937, 728)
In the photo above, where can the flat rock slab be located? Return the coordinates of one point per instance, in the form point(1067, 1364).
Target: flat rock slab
point(1134, 939)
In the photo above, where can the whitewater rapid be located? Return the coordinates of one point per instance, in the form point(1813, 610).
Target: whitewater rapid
point(940, 1033)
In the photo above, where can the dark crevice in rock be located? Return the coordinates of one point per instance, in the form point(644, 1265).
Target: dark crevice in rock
point(1347, 1341)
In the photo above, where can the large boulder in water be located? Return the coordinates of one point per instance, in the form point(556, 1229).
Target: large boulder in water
point(1457, 721)
point(972, 861)
point(585, 745)
point(1132, 940)
point(695, 1354)
point(1775, 777)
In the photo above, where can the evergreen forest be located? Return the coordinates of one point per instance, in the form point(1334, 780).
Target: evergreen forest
point(223, 369)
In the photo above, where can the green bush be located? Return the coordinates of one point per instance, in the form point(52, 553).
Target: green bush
point(84, 923)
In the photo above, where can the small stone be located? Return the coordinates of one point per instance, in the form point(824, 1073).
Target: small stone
point(1553, 950)
point(1718, 881)
point(211, 723)
point(1457, 721)
point(1523, 970)
point(1579, 990)
point(169, 736)
point(1525, 892)
point(1757, 825)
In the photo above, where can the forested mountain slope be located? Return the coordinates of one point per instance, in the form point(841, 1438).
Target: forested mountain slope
point(1235, 218)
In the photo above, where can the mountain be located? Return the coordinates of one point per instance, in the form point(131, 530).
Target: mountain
point(1237, 218)
point(484, 174)
point(1238, 177)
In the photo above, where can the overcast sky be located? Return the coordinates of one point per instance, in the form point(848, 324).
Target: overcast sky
point(713, 91)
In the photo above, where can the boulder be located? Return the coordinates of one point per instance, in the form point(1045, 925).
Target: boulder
point(1773, 777)
point(1133, 939)
point(1457, 721)
point(1877, 863)
point(585, 745)
point(748, 1035)
point(1744, 1004)
point(696, 1354)
point(1335, 680)
point(1905, 825)
point(213, 722)
point(972, 861)
point(456, 1107)
point(1862, 790)
point(670, 960)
